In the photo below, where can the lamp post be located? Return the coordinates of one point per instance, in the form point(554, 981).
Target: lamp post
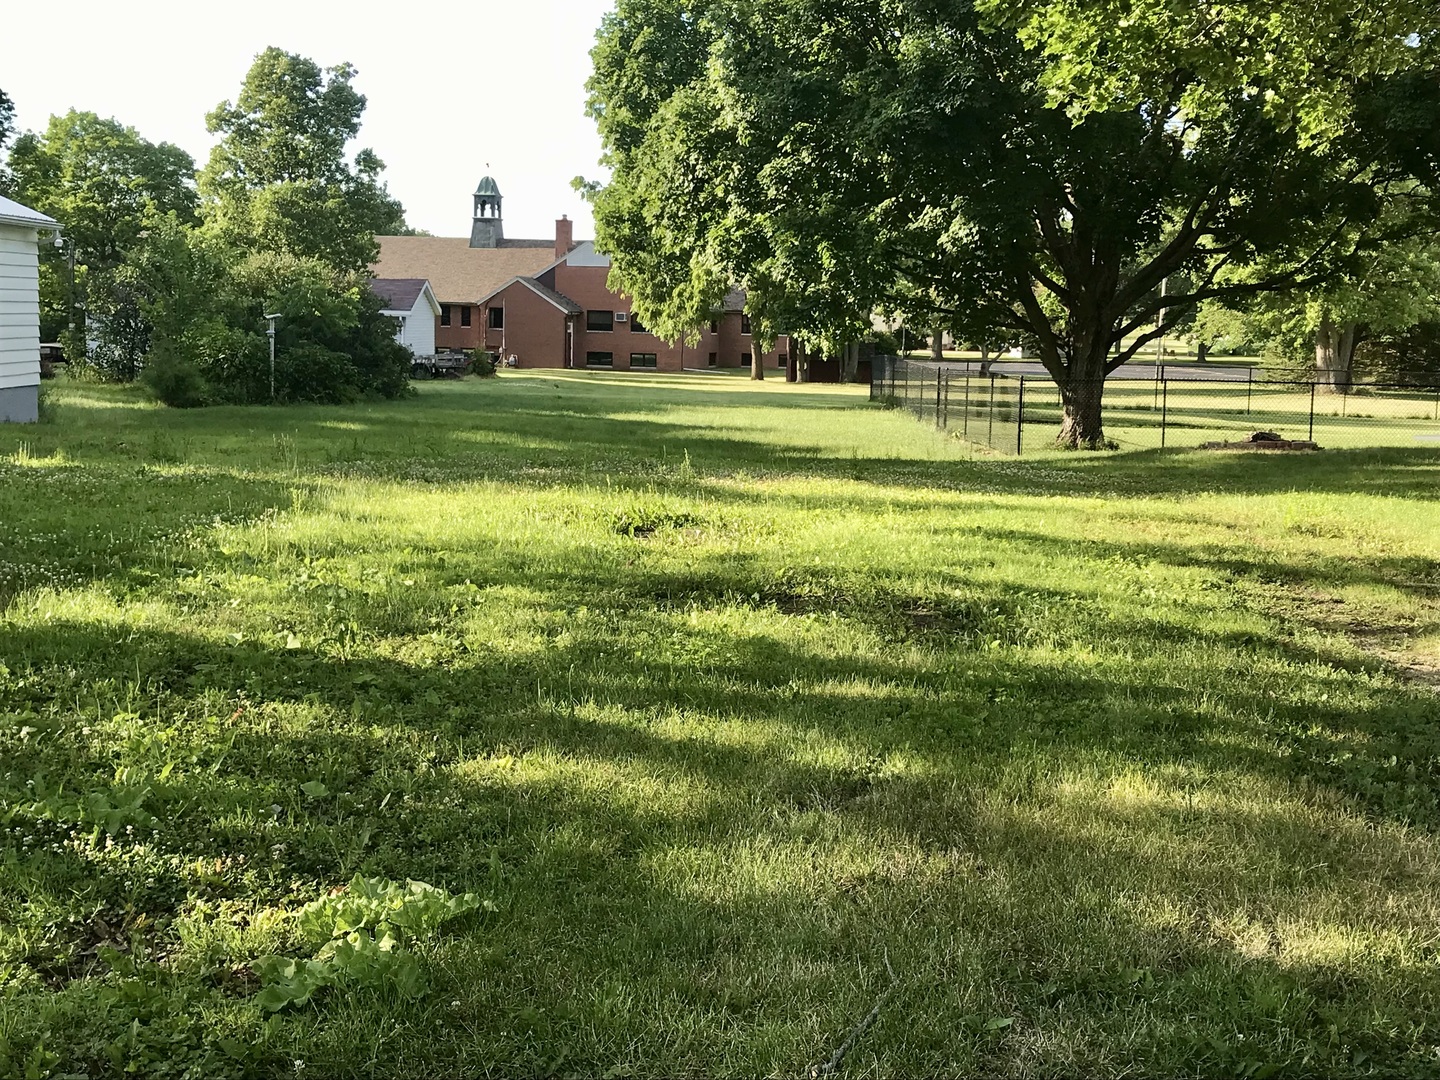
point(270, 333)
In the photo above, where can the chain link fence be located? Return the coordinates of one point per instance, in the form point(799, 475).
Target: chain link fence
point(1020, 413)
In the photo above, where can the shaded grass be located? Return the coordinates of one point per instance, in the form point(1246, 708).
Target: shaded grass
point(722, 693)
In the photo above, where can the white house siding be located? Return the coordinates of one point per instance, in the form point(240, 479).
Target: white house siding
point(19, 324)
point(418, 333)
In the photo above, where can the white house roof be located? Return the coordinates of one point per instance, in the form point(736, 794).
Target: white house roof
point(12, 213)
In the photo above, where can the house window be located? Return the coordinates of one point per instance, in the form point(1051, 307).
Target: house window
point(744, 359)
point(714, 326)
point(744, 324)
point(783, 360)
point(599, 359)
point(714, 359)
point(642, 359)
point(636, 326)
point(465, 315)
point(497, 318)
point(599, 321)
point(444, 314)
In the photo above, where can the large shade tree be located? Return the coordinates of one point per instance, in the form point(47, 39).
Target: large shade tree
point(100, 179)
point(1038, 169)
point(280, 180)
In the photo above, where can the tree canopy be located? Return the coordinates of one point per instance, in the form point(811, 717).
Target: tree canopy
point(100, 179)
point(834, 160)
point(279, 178)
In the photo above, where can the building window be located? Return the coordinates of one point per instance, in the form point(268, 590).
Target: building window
point(714, 359)
point(497, 318)
point(744, 324)
point(642, 359)
point(465, 315)
point(783, 360)
point(599, 359)
point(444, 314)
point(744, 359)
point(599, 321)
point(636, 326)
point(714, 326)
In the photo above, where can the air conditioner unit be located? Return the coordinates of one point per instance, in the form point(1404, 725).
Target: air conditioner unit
point(621, 316)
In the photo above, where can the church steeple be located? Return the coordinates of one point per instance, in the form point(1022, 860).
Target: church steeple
point(488, 227)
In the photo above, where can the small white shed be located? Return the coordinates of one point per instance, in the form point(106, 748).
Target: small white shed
point(413, 303)
point(20, 229)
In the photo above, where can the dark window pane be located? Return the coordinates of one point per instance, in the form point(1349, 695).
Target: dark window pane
point(642, 359)
point(465, 315)
point(599, 359)
point(444, 314)
point(599, 320)
point(744, 359)
point(714, 359)
point(636, 325)
point(744, 324)
point(497, 318)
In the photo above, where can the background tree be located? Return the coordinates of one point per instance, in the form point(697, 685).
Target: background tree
point(7, 128)
point(279, 179)
point(99, 179)
point(827, 157)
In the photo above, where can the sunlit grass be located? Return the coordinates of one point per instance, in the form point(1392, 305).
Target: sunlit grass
point(725, 694)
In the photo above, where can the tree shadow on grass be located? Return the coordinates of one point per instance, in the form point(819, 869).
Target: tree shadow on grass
point(654, 876)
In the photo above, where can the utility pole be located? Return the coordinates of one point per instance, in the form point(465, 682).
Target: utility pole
point(270, 333)
point(62, 242)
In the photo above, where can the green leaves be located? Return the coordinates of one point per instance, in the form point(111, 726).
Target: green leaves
point(279, 182)
point(361, 936)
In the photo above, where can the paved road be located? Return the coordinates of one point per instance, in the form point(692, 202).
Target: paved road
point(1198, 372)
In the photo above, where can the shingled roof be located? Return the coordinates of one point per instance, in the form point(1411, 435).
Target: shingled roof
point(399, 294)
point(458, 273)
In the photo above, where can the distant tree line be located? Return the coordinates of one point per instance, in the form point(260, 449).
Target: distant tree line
point(165, 274)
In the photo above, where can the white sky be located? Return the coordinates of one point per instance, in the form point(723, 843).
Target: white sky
point(450, 86)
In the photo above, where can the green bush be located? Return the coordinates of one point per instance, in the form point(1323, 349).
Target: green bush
point(482, 363)
point(175, 382)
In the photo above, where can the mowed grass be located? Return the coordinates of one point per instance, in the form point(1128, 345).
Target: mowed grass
point(1194, 413)
point(731, 698)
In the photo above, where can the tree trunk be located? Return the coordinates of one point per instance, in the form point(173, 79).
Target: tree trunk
point(1334, 354)
point(1081, 427)
point(984, 359)
point(1080, 373)
point(1202, 352)
point(757, 362)
point(937, 344)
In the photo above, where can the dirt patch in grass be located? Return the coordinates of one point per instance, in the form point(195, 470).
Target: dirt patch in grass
point(1379, 632)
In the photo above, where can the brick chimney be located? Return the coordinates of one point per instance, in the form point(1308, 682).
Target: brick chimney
point(564, 236)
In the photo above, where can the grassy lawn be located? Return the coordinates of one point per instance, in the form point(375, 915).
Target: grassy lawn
point(727, 699)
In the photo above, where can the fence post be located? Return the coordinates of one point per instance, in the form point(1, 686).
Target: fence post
point(1020, 420)
point(1437, 404)
point(939, 383)
point(1249, 388)
point(1164, 410)
point(1312, 412)
point(965, 416)
point(990, 430)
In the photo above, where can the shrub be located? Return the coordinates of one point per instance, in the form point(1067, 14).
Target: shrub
point(482, 363)
point(175, 382)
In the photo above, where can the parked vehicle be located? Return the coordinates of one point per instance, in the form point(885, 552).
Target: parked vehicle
point(453, 364)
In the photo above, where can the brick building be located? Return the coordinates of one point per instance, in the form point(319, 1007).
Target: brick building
point(547, 303)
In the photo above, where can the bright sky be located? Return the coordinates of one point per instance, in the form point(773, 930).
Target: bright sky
point(450, 86)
